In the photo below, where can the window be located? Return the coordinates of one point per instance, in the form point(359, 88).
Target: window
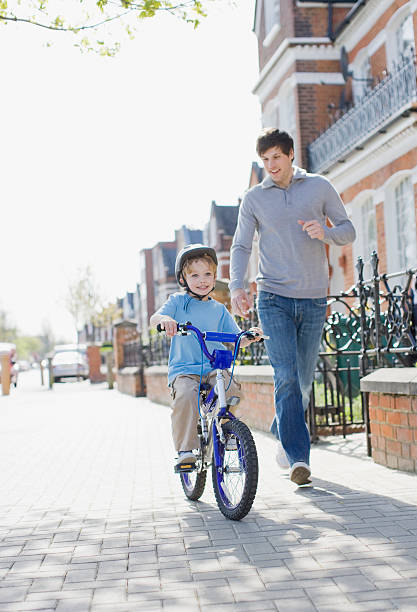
point(405, 224)
point(404, 38)
point(271, 14)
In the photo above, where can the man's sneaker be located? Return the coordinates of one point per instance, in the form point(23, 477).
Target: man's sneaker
point(281, 456)
point(185, 457)
point(300, 473)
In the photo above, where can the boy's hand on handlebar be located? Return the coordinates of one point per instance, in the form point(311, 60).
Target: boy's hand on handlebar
point(169, 325)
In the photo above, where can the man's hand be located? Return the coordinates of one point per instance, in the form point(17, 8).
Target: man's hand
point(245, 341)
point(169, 325)
point(241, 303)
point(313, 229)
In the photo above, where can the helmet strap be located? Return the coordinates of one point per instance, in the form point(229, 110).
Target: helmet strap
point(197, 295)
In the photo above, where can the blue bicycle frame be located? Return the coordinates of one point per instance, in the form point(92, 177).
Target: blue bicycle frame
point(219, 360)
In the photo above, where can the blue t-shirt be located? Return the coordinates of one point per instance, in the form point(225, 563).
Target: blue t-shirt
point(185, 354)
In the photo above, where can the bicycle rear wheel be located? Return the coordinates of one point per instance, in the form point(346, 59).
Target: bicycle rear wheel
point(235, 481)
point(193, 484)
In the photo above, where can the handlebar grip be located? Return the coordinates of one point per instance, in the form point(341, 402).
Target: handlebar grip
point(162, 329)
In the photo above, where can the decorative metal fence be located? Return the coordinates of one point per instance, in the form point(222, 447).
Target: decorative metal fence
point(372, 325)
point(391, 97)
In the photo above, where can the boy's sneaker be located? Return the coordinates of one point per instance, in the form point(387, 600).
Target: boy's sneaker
point(300, 473)
point(281, 456)
point(185, 457)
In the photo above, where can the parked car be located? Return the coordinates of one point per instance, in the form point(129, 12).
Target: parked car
point(8, 348)
point(69, 364)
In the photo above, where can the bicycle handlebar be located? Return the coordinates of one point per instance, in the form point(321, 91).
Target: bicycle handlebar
point(211, 336)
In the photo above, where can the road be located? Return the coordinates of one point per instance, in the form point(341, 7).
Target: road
point(92, 517)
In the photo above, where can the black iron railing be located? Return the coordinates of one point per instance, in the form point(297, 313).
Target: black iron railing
point(390, 98)
point(374, 326)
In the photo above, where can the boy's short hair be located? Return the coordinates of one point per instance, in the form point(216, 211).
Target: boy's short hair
point(204, 257)
point(273, 137)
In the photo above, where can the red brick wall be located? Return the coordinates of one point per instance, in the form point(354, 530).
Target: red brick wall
point(94, 364)
point(121, 334)
point(314, 114)
point(378, 62)
point(256, 408)
point(377, 27)
point(130, 381)
point(157, 385)
point(378, 178)
point(313, 21)
point(393, 420)
point(381, 242)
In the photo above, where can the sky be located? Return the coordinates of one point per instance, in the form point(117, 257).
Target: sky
point(102, 157)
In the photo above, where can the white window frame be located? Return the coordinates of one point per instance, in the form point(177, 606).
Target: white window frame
point(397, 257)
point(392, 29)
point(361, 69)
point(270, 114)
point(363, 209)
point(272, 20)
point(287, 109)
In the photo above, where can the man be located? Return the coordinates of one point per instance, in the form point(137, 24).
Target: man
point(289, 210)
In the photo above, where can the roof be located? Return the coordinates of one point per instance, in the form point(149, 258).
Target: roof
point(226, 217)
point(258, 171)
point(168, 256)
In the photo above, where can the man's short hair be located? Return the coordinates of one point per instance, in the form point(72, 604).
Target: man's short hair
point(273, 137)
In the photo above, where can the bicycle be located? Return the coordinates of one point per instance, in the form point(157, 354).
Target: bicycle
point(226, 443)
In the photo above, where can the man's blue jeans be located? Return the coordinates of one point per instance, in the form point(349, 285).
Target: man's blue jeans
point(295, 327)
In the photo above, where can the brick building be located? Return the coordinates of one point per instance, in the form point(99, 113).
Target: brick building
point(219, 234)
point(157, 280)
point(341, 78)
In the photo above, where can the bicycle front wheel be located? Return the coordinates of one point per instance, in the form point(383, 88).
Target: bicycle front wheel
point(193, 484)
point(235, 481)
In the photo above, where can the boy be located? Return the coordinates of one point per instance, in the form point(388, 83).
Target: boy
point(195, 269)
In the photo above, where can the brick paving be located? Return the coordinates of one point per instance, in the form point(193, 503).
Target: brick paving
point(93, 518)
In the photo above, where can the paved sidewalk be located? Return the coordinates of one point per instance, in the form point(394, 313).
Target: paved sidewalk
point(92, 517)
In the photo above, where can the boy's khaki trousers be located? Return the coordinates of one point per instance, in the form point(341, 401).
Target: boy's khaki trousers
point(184, 417)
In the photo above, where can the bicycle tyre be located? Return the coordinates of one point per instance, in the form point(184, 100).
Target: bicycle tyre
point(235, 490)
point(193, 484)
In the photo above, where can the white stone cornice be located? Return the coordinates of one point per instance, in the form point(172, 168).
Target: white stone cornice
point(399, 139)
point(285, 56)
point(318, 78)
point(323, 4)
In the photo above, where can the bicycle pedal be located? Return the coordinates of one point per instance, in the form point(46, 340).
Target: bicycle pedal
point(231, 444)
point(182, 468)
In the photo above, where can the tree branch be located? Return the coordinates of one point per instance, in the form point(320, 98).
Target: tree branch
point(63, 29)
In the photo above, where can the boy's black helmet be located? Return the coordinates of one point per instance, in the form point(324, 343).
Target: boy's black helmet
point(189, 251)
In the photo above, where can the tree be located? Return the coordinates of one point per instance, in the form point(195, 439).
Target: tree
point(29, 347)
point(83, 298)
point(8, 332)
point(107, 315)
point(93, 17)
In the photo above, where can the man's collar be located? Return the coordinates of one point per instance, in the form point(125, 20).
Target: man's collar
point(298, 173)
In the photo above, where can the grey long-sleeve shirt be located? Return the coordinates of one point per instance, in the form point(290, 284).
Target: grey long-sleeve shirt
point(291, 264)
